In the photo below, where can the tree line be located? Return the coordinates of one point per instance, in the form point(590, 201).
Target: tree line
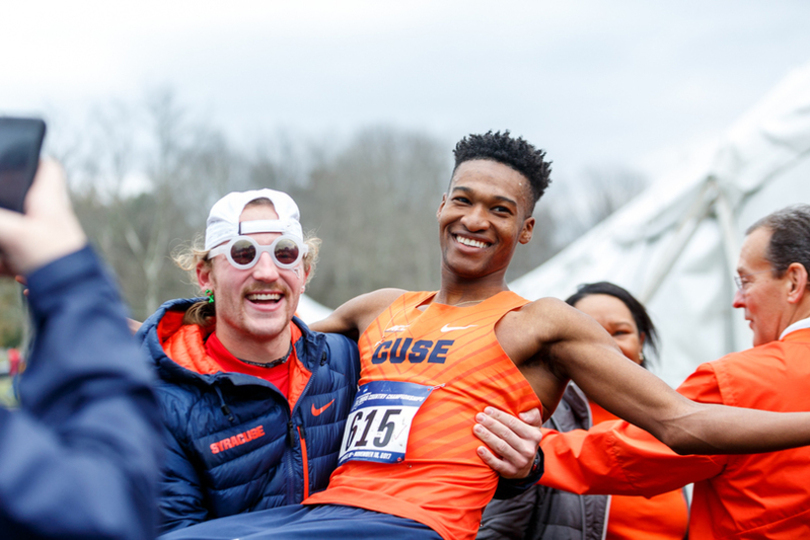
point(143, 177)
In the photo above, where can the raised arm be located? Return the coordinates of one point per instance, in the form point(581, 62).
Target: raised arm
point(80, 458)
point(575, 346)
point(181, 503)
point(353, 317)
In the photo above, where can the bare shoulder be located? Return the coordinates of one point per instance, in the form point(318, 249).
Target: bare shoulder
point(528, 336)
point(540, 325)
point(545, 319)
point(353, 317)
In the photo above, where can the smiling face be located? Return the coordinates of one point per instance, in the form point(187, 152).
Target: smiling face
point(616, 318)
point(256, 304)
point(482, 218)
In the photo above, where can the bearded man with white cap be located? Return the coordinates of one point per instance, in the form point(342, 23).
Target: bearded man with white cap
point(254, 403)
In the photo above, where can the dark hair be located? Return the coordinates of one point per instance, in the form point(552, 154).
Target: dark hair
point(644, 324)
point(790, 237)
point(516, 153)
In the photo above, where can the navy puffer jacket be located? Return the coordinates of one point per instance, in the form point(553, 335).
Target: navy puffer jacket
point(234, 444)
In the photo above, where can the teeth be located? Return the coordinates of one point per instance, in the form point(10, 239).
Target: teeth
point(264, 296)
point(470, 242)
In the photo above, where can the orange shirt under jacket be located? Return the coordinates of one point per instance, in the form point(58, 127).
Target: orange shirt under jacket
point(754, 496)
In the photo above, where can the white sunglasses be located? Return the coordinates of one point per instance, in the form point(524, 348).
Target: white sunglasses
point(243, 252)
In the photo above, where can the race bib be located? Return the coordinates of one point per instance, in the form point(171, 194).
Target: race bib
point(380, 421)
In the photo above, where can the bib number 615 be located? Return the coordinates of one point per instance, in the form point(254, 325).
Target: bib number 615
point(380, 421)
point(384, 429)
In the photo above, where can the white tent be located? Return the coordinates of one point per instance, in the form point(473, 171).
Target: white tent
point(310, 311)
point(675, 246)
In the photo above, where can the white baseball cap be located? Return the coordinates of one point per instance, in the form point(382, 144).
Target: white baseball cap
point(223, 220)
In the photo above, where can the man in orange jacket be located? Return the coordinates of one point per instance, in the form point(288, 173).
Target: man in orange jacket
point(735, 496)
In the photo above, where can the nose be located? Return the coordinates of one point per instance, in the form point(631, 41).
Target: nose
point(739, 299)
point(265, 269)
point(475, 219)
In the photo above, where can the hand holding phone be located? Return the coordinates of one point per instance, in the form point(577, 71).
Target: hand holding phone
point(20, 144)
point(47, 231)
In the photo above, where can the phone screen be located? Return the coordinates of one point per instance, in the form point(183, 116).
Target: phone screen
point(20, 143)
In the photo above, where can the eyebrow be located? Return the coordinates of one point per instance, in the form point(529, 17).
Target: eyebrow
point(498, 197)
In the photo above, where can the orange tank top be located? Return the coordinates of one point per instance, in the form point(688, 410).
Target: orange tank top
point(442, 482)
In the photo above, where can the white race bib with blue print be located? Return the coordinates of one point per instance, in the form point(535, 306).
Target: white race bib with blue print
point(380, 420)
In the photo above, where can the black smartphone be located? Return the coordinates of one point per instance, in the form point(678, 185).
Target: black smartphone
point(20, 144)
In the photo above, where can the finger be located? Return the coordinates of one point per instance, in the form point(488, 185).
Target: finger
point(503, 468)
point(514, 424)
point(513, 430)
point(48, 194)
point(22, 281)
point(11, 223)
point(513, 453)
point(497, 431)
point(533, 417)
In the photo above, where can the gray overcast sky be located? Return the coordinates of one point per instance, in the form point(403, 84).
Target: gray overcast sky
point(593, 82)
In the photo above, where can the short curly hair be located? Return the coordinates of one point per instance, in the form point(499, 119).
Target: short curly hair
point(517, 153)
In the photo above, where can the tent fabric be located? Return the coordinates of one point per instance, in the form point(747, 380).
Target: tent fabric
point(311, 311)
point(675, 245)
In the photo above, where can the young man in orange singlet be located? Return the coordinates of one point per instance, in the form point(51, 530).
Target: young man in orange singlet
point(428, 357)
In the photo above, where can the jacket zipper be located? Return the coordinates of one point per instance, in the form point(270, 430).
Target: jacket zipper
point(303, 435)
point(222, 405)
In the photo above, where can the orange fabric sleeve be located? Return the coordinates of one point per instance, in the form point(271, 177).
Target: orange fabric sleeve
point(619, 458)
point(662, 517)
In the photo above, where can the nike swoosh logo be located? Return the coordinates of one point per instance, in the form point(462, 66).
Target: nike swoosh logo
point(447, 328)
point(399, 328)
point(317, 412)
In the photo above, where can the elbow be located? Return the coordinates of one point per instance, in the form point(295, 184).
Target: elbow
point(681, 448)
point(683, 442)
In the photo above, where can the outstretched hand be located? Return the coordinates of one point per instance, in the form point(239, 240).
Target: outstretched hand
point(47, 231)
point(511, 442)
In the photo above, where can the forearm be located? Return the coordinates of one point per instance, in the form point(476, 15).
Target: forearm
point(81, 481)
point(83, 452)
point(81, 337)
point(334, 324)
point(714, 429)
point(709, 428)
point(634, 394)
point(181, 495)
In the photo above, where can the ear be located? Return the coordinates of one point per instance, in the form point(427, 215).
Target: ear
point(441, 206)
point(796, 275)
point(527, 231)
point(204, 278)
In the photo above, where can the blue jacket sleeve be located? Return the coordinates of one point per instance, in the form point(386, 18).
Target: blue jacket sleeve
point(81, 456)
point(181, 499)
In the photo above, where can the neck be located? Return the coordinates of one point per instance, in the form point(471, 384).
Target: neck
point(802, 312)
point(253, 348)
point(457, 290)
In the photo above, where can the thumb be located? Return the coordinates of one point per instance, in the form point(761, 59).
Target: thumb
point(533, 417)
